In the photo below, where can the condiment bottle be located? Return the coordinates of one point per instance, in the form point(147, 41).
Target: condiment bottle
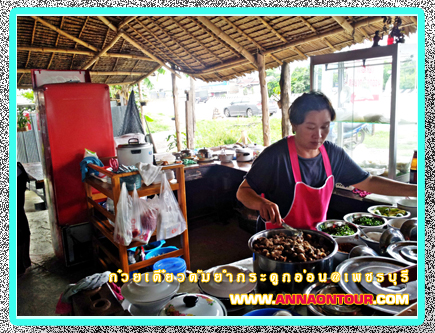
point(413, 169)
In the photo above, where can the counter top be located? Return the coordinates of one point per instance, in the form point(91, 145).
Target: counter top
point(242, 166)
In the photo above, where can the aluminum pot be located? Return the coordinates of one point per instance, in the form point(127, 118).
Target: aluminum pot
point(264, 265)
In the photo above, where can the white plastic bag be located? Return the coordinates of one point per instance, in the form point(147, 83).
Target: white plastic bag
point(148, 216)
point(136, 225)
point(171, 221)
point(122, 233)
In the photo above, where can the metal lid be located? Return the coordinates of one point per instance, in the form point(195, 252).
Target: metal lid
point(405, 252)
point(194, 305)
point(319, 288)
point(134, 143)
point(375, 265)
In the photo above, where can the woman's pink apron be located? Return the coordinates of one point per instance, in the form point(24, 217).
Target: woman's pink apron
point(310, 204)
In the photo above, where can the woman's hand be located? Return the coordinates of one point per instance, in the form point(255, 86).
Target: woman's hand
point(269, 211)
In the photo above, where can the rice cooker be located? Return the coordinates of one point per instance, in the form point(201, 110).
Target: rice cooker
point(244, 154)
point(135, 152)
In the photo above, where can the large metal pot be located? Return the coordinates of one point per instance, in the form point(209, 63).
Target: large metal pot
point(264, 265)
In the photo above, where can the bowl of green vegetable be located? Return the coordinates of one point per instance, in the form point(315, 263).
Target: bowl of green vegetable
point(365, 220)
point(389, 212)
point(338, 229)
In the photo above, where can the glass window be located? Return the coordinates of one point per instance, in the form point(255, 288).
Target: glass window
point(376, 119)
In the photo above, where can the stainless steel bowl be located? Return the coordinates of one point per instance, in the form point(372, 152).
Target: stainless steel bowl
point(330, 223)
point(388, 237)
point(409, 230)
point(352, 216)
point(266, 266)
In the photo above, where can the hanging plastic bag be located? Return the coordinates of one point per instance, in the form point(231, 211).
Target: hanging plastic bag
point(122, 233)
point(138, 233)
point(171, 221)
point(149, 216)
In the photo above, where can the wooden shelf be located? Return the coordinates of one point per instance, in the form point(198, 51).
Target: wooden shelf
point(112, 190)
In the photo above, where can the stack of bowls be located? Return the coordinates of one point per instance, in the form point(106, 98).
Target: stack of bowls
point(147, 298)
point(374, 234)
point(222, 290)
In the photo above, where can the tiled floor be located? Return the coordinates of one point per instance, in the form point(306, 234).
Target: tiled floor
point(211, 243)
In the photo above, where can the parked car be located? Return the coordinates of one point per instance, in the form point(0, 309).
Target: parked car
point(248, 108)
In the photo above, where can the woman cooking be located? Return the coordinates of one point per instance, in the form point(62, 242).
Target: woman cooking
point(293, 179)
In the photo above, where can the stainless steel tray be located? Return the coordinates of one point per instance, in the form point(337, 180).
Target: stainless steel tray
point(375, 265)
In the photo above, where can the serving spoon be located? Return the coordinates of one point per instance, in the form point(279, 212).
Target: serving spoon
point(295, 232)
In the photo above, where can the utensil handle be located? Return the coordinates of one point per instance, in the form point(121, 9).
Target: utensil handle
point(412, 274)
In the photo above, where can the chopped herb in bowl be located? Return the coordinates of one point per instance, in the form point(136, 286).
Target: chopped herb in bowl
point(368, 221)
point(338, 230)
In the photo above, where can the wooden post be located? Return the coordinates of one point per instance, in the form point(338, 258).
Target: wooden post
point(176, 114)
point(193, 101)
point(189, 121)
point(263, 91)
point(284, 84)
point(142, 111)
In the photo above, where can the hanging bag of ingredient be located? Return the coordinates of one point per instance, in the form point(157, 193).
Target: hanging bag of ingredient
point(137, 231)
point(171, 221)
point(122, 233)
point(148, 217)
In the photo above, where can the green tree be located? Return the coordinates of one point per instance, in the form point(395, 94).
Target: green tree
point(29, 95)
point(273, 88)
point(300, 80)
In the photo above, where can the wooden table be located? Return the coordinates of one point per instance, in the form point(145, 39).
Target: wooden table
point(35, 173)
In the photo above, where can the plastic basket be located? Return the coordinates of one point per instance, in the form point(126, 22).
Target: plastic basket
point(160, 251)
point(130, 181)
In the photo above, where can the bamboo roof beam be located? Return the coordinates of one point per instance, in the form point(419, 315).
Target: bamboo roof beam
point(116, 61)
point(104, 43)
point(178, 44)
point(329, 44)
point(225, 46)
point(67, 35)
point(108, 23)
point(57, 41)
point(197, 40)
point(80, 35)
point(103, 51)
point(413, 19)
point(31, 43)
point(146, 52)
point(162, 43)
point(365, 34)
point(82, 52)
point(299, 52)
point(19, 80)
point(240, 62)
point(219, 33)
point(27, 71)
point(307, 24)
point(126, 21)
point(240, 31)
point(161, 55)
point(341, 20)
point(146, 75)
point(272, 29)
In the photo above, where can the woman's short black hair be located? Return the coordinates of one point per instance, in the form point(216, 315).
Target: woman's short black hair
point(312, 101)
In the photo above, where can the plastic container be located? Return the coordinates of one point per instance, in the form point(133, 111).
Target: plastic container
point(171, 265)
point(130, 181)
point(151, 246)
point(160, 251)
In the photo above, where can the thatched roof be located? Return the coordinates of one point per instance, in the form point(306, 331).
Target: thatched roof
point(119, 49)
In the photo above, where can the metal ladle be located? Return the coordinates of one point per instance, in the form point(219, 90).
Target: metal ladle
point(295, 232)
